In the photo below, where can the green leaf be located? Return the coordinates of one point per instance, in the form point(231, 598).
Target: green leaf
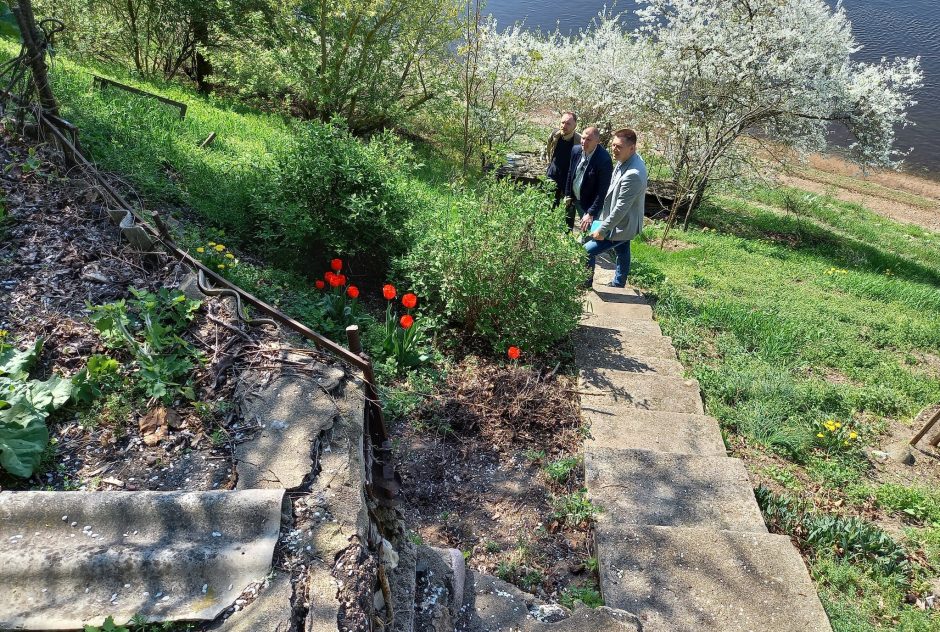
point(51, 394)
point(16, 364)
point(23, 437)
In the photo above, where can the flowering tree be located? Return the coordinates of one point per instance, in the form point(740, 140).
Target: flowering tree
point(601, 73)
point(732, 74)
point(499, 79)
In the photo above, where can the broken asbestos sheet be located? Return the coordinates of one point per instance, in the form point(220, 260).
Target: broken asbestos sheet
point(68, 559)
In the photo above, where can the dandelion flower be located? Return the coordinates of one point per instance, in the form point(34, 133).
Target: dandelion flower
point(820, 435)
point(219, 247)
point(212, 244)
point(221, 266)
point(229, 255)
point(853, 435)
point(200, 250)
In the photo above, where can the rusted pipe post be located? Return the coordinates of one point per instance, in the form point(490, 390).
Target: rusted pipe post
point(207, 141)
point(352, 336)
point(926, 429)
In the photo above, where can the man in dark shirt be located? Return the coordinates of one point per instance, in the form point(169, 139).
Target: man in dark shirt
point(560, 144)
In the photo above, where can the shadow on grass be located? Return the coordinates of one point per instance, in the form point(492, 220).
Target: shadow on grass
point(811, 238)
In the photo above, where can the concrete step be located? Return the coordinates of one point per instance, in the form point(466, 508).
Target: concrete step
point(623, 340)
point(641, 487)
point(637, 429)
point(703, 580)
point(635, 327)
point(608, 302)
point(629, 362)
point(607, 387)
point(492, 605)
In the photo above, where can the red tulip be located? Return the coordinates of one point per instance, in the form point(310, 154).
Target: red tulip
point(319, 284)
point(513, 353)
point(353, 291)
point(336, 264)
point(335, 280)
point(409, 300)
point(342, 279)
point(389, 292)
point(407, 321)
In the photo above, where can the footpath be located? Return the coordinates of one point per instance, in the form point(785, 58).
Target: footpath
point(680, 540)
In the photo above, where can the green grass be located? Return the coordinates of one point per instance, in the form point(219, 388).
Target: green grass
point(792, 310)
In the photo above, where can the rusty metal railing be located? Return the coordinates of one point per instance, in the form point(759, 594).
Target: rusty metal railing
point(381, 479)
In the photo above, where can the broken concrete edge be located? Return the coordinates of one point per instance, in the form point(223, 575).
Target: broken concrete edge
point(78, 557)
point(492, 605)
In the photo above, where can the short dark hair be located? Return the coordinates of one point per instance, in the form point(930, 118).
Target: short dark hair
point(627, 134)
point(573, 115)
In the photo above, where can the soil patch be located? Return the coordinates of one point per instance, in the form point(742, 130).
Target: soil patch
point(60, 253)
point(899, 196)
point(475, 471)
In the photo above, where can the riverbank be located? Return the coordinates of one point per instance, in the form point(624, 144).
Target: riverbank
point(900, 196)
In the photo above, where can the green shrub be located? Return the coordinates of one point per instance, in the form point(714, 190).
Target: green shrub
point(150, 326)
point(330, 193)
point(849, 537)
point(500, 266)
point(560, 470)
point(588, 595)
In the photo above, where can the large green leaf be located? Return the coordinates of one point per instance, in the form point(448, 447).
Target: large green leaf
point(16, 364)
point(51, 394)
point(23, 437)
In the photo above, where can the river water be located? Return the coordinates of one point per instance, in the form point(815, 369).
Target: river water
point(885, 28)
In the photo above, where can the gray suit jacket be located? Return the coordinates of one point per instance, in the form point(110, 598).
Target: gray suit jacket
point(622, 214)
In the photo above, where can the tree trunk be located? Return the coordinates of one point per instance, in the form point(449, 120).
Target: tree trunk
point(202, 67)
point(35, 43)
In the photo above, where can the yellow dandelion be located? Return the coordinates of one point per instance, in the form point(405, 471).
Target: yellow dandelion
point(219, 247)
point(221, 266)
point(200, 250)
point(229, 255)
point(3, 333)
point(838, 425)
point(853, 435)
point(845, 443)
point(211, 244)
point(820, 435)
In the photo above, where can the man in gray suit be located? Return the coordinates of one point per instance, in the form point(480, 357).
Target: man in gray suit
point(621, 217)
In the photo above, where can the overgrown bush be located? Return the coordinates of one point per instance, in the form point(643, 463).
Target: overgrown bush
point(331, 193)
point(499, 265)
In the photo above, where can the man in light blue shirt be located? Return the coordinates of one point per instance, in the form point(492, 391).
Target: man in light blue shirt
point(621, 217)
point(588, 179)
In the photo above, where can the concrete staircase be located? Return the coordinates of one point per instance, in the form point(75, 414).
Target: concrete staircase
point(681, 542)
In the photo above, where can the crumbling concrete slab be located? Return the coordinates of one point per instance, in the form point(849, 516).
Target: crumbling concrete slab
point(493, 605)
point(69, 559)
point(402, 582)
point(704, 580)
point(292, 410)
point(634, 429)
point(271, 611)
point(440, 575)
point(612, 388)
point(321, 599)
point(640, 487)
point(634, 327)
point(339, 505)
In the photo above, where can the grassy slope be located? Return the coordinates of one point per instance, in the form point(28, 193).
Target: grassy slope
point(787, 320)
point(790, 319)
